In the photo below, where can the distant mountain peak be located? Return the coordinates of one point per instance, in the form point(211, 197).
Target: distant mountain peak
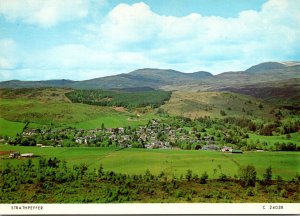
point(266, 66)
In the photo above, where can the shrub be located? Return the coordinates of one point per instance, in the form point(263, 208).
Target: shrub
point(279, 182)
point(268, 175)
point(223, 113)
point(203, 178)
point(188, 175)
point(248, 175)
point(223, 177)
point(249, 192)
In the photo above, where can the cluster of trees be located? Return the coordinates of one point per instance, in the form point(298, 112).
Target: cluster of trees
point(154, 98)
point(54, 180)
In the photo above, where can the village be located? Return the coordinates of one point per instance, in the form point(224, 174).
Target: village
point(155, 135)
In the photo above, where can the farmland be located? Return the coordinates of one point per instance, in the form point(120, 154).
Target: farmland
point(136, 161)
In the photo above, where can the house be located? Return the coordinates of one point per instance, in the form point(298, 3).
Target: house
point(226, 149)
point(27, 155)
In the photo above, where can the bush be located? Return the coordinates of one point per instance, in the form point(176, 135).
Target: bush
point(248, 175)
point(188, 175)
point(249, 192)
point(203, 178)
point(223, 177)
point(279, 183)
point(223, 113)
point(268, 176)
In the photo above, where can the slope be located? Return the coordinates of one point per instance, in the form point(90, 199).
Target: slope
point(284, 93)
point(147, 77)
point(217, 104)
point(50, 106)
point(238, 79)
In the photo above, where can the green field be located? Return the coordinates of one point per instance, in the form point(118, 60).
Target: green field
point(295, 138)
point(118, 120)
point(136, 161)
point(9, 128)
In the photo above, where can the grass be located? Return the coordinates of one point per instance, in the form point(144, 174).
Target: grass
point(118, 120)
point(51, 107)
point(295, 138)
point(200, 104)
point(9, 128)
point(136, 161)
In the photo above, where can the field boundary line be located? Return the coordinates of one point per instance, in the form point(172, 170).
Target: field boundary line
point(233, 160)
point(104, 156)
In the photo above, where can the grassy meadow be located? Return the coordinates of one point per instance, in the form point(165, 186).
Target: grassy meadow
point(137, 161)
point(10, 128)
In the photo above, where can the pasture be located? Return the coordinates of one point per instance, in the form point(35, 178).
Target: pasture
point(294, 138)
point(10, 128)
point(172, 162)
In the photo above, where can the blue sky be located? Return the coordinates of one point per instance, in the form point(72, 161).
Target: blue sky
point(80, 39)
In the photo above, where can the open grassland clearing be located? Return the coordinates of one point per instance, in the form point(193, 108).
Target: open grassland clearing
point(292, 137)
point(217, 104)
point(177, 162)
point(9, 128)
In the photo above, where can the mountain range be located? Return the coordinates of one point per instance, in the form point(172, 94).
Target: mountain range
point(174, 80)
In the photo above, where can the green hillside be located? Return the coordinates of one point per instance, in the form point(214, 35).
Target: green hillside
point(49, 106)
point(217, 104)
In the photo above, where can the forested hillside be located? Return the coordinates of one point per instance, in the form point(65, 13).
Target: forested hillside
point(153, 98)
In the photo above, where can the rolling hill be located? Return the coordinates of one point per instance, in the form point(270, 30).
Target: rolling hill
point(266, 66)
point(168, 79)
point(50, 106)
point(240, 78)
point(201, 104)
point(154, 78)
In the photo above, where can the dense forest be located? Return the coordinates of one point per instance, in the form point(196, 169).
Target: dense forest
point(154, 98)
point(53, 181)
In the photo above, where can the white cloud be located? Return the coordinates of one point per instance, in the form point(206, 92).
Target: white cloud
point(253, 36)
point(8, 57)
point(133, 36)
point(44, 13)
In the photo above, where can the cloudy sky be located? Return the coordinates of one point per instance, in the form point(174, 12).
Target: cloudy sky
point(81, 39)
